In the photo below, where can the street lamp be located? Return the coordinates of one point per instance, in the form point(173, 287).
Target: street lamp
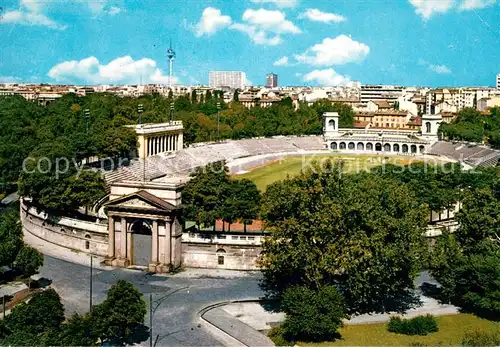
point(139, 110)
point(90, 295)
point(172, 107)
point(86, 115)
point(153, 310)
point(218, 120)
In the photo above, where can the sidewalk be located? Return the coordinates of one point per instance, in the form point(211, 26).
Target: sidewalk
point(63, 253)
point(230, 330)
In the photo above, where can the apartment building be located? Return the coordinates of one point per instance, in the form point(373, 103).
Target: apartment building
point(227, 79)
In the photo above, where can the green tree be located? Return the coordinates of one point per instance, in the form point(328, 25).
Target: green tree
point(78, 331)
point(43, 313)
point(360, 232)
point(203, 195)
point(10, 237)
point(120, 316)
point(312, 315)
point(236, 97)
point(28, 261)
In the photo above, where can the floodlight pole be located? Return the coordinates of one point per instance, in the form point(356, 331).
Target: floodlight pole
point(218, 121)
point(90, 296)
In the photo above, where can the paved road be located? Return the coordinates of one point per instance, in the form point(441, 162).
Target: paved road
point(175, 320)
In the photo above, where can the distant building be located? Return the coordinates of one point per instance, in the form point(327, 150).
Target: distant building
point(380, 92)
point(228, 79)
point(498, 81)
point(271, 80)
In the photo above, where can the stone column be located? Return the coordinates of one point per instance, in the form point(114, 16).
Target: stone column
point(168, 232)
point(123, 238)
point(163, 143)
point(174, 143)
point(154, 242)
point(111, 237)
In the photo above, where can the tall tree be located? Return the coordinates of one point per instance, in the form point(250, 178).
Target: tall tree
point(361, 233)
point(120, 316)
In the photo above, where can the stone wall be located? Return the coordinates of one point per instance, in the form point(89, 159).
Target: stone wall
point(74, 234)
point(213, 256)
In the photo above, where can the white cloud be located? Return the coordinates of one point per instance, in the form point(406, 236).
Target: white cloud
point(211, 20)
point(283, 61)
point(9, 79)
point(326, 77)
point(114, 10)
point(427, 8)
point(273, 21)
point(440, 69)
point(265, 27)
point(120, 70)
point(334, 51)
point(34, 5)
point(31, 18)
point(259, 37)
point(319, 16)
point(475, 4)
point(279, 3)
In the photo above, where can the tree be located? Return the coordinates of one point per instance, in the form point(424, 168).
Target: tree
point(236, 96)
point(312, 315)
point(203, 195)
point(78, 331)
point(43, 313)
point(28, 261)
point(121, 315)
point(361, 232)
point(10, 237)
point(466, 263)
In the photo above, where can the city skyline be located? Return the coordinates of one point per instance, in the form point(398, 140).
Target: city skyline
point(419, 42)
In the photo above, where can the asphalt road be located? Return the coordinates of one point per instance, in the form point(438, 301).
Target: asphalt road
point(175, 320)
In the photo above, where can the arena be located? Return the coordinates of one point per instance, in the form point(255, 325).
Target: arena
point(138, 223)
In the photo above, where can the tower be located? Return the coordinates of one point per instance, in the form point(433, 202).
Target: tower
point(331, 124)
point(171, 57)
point(430, 122)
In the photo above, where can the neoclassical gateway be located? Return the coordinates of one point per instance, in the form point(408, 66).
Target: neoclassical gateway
point(138, 223)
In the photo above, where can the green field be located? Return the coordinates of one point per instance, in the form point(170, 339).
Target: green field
point(278, 170)
point(451, 332)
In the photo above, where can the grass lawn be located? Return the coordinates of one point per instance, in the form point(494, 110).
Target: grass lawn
point(452, 329)
point(278, 170)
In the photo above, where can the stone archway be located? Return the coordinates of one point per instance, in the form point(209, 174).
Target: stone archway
point(395, 147)
point(333, 145)
point(342, 145)
point(413, 149)
point(142, 242)
point(405, 148)
point(387, 147)
point(360, 146)
point(142, 228)
point(351, 146)
point(378, 147)
point(369, 146)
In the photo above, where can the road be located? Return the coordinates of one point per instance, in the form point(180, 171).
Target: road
point(175, 320)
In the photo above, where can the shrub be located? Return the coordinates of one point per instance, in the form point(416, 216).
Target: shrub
point(276, 335)
point(421, 325)
point(312, 315)
point(481, 338)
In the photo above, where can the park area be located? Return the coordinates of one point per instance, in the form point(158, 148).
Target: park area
point(278, 170)
point(452, 329)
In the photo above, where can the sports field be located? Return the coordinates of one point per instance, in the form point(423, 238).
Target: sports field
point(278, 170)
point(452, 330)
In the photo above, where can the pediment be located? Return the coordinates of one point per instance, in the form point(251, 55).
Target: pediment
point(142, 200)
point(136, 202)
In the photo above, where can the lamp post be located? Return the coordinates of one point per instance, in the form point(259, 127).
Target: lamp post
point(153, 310)
point(218, 121)
point(90, 295)
point(86, 115)
point(139, 110)
point(172, 107)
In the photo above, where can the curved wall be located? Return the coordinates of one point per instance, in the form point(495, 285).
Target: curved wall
point(74, 234)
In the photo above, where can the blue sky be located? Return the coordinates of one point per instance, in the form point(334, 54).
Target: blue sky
point(318, 42)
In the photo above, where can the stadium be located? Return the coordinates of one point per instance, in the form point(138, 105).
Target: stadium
point(139, 224)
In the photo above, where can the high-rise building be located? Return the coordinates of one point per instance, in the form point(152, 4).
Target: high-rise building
point(498, 81)
point(227, 79)
point(380, 92)
point(271, 80)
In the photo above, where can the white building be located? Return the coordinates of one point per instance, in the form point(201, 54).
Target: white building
point(380, 92)
point(231, 79)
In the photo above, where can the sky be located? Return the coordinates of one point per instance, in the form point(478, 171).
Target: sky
point(306, 42)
